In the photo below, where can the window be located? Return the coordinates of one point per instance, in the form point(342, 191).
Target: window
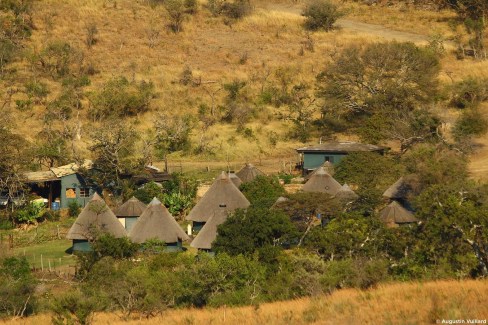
point(84, 192)
point(329, 159)
point(71, 193)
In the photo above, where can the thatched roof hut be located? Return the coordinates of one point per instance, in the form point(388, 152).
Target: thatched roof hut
point(235, 179)
point(399, 190)
point(132, 208)
point(346, 193)
point(322, 182)
point(157, 223)
point(222, 194)
point(248, 173)
point(95, 217)
point(327, 165)
point(207, 235)
point(395, 214)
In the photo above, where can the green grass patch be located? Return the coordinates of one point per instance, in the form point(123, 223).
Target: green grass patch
point(52, 251)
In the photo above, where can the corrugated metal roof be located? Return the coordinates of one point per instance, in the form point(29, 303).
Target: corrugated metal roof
point(344, 146)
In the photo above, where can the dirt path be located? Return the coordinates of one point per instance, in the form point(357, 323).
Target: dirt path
point(360, 27)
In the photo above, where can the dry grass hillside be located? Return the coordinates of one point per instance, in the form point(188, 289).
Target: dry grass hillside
point(400, 303)
point(133, 41)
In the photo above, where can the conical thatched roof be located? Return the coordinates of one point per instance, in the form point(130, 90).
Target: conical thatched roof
point(328, 167)
point(132, 208)
point(248, 173)
point(346, 193)
point(322, 182)
point(222, 194)
point(394, 213)
point(399, 190)
point(207, 235)
point(236, 180)
point(156, 223)
point(96, 217)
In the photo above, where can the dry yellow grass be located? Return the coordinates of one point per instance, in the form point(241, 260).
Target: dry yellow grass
point(398, 303)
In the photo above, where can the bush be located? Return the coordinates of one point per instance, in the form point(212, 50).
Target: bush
point(73, 208)
point(29, 213)
point(17, 286)
point(237, 9)
point(470, 123)
point(321, 14)
point(120, 98)
point(74, 307)
point(263, 191)
point(470, 92)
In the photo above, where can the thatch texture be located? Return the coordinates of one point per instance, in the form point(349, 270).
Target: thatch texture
point(207, 235)
point(322, 182)
point(222, 194)
point(132, 208)
point(328, 167)
point(395, 214)
point(399, 190)
point(235, 179)
point(157, 223)
point(248, 173)
point(346, 193)
point(94, 218)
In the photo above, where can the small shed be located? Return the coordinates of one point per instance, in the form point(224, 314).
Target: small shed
point(128, 212)
point(395, 215)
point(208, 234)
point(222, 194)
point(312, 157)
point(157, 223)
point(322, 182)
point(65, 183)
point(346, 194)
point(95, 218)
point(248, 173)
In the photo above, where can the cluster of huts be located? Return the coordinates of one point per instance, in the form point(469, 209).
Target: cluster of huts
point(143, 223)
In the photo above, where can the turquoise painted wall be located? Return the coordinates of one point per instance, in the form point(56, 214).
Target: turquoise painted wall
point(312, 160)
point(80, 245)
point(197, 226)
point(76, 182)
point(129, 223)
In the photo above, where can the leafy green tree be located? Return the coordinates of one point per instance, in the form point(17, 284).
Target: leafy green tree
point(176, 11)
point(172, 133)
point(74, 307)
point(263, 191)
point(17, 286)
point(435, 165)
point(120, 98)
point(368, 170)
point(113, 151)
point(58, 59)
point(454, 216)
point(248, 230)
point(470, 92)
point(470, 123)
point(380, 91)
point(321, 14)
point(302, 108)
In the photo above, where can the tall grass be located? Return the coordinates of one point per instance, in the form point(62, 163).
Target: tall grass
point(397, 303)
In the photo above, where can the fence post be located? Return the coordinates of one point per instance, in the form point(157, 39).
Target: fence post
point(42, 264)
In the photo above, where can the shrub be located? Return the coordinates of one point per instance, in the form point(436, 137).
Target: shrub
point(56, 59)
point(176, 12)
point(470, 92)
point(120, 98)
point(263, 191)
point(74, 307)
point(29, 213)
point(470, 123)
point(17, 286)
point(237, 9)
point(321, 14)
point(73, 208)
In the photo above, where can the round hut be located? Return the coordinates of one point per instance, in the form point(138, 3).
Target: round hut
point(248, 173)
point(128, 212)
point(157, 223)
point(346, 194)
point(395, 215)
point(235, 179)
point(206, 236)
point(322, 182)
point(222, 194)
point(95, 218)
point(399, 190)
point(327, 165)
